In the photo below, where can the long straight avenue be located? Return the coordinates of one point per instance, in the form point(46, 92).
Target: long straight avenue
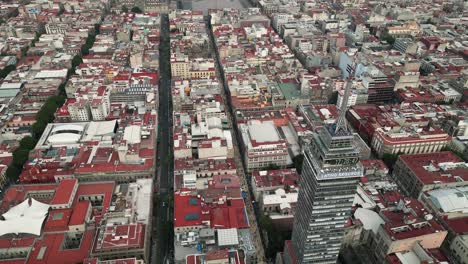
point(162, 249)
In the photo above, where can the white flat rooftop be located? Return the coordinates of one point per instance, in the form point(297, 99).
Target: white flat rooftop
point(263, 131)
point(228, 237)
point(370, 219)
point(6, 85)
point(51, 74)
point(450, 200)
point(132, 134)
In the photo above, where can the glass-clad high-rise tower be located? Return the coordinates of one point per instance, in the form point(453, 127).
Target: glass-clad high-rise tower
point(330, 174)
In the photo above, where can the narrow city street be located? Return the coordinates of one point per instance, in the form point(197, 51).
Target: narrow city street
point(236, 141)
point(162, 246)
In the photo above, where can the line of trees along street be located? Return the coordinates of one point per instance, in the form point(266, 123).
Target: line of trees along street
point(46, 114)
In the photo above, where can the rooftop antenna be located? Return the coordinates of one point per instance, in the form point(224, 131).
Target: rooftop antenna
point(341, 124)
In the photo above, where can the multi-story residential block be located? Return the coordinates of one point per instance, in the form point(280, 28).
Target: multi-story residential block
point(408, 29)
point(201, 68)
point(387, 226)
point(357, 96)
point(409, 141)
point(197, 218)
point(374, 167)
point(79, 111)
point(204, 170)
point(263, 145)
point(379, 86)
point(446, 203)
point(403, 228)
point(280, 207)
point(418, 173)
point(459, 248)
point(407, 79)
point(266, 182)
point(400, 129)
point(405, 45)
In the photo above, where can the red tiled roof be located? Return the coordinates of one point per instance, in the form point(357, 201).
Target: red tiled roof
point(153, 76)
point(397, 219)
point(57, 220)
point(192, 211)
point(224, 181)
point(277, 178)
point(374, 164)
point(79, 213)
point(16, 242)
point(111, 167)
point(425, 136)
point(17, 193)
point(54, 252)
point(217, 255)
point(229, 217)
point(146, 153)
point(102, 188)
point(417, 162)
point(458, 225)
point(187, 205)
point(193, 259)
point(64, 191)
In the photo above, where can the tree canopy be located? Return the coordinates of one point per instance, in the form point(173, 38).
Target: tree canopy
point(20, 156)
point(47, 114)
point(272, 166)
point(5, 71)
point(297, 161)
point(27, 143)
point(275, 237)
point(136, 9)
point(390, 159)
point(389, 38)
point(77, 60)
point(13, 172)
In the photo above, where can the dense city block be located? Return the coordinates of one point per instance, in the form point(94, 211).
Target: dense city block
point(233, 131)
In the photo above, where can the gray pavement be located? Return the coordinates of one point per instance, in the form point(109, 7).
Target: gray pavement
point(162, 248)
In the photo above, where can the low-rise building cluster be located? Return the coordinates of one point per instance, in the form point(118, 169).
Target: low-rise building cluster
point(211, 222)
point(259, 69)
point(37, 60)
point(78, 121)
point(417, 213)
point(119, 74)
point(75, 222)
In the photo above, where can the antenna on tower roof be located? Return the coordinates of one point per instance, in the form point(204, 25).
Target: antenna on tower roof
point(341, 124)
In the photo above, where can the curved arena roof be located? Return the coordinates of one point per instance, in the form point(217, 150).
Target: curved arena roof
point(68, 127)
point(64, 138)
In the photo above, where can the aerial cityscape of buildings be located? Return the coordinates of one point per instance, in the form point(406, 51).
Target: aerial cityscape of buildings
point(232, 132)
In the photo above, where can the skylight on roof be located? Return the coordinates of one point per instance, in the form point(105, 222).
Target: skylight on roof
point(193, 201)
